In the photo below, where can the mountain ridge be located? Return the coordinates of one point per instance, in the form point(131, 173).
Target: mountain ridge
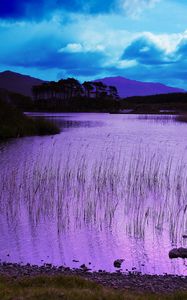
point(22, 84)
point(130, 88)
point(18, 83)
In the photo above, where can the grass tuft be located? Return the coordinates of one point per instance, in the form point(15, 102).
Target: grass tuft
point(69, 288)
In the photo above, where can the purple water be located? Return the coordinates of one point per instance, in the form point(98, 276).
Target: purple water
point(108, 187)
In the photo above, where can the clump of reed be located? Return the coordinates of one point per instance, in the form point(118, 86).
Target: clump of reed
point(138, 190)
point(13, 123)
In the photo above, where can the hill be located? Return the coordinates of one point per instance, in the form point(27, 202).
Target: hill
point(18, 83)
point(129, 88)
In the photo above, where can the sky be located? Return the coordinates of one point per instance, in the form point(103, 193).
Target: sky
point(144, 40)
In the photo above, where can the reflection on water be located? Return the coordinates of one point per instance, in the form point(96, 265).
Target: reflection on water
point(159, 118)
point(66, 121)
point(114, 189)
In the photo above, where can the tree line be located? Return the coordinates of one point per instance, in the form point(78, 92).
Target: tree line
point(71, 88)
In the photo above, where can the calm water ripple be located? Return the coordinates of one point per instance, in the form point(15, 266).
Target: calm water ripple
point(108, 187)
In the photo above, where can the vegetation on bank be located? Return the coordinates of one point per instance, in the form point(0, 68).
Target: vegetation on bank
point(74, 104)
point(69, 288)
point(156, 104)
point(78, 105)
point(70, 96)
point(21, 102)
point(13, 123)
point(67, 89)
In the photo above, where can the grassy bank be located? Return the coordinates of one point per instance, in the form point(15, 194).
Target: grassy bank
point(156, 104)
point(69, 288)
point(13, 123)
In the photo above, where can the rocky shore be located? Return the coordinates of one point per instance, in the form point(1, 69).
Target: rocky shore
point(131, 281)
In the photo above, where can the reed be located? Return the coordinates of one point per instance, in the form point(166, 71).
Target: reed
point(139, 189)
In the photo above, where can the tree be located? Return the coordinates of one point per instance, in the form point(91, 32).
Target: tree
point(41, 92)
point(70, 87)
point(88, 88)
point(113, 92)
point(100, 89)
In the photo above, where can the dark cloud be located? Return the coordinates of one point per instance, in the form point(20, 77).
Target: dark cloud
point(43, 46)
point(38, 9)
point(90, 6)
point(42, 54)
point(19, 9)
point(146, 51)
point(154, 63)
point(181, 50)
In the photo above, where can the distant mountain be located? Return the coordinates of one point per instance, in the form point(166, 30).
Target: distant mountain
point(22, 84)
point(18, 83)
point(128, 88)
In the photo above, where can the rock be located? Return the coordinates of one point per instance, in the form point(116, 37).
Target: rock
point(174, 253)
point(118, 263)
point(178, 252)
point(48, 265)
point(184, 236)
point(183, 252)
point(84, 268)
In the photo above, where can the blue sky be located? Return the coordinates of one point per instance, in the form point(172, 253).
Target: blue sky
point(139, 39)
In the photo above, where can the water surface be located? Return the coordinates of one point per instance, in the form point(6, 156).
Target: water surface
point(107, 187)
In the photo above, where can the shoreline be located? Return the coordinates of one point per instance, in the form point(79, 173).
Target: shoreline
point(156, 284)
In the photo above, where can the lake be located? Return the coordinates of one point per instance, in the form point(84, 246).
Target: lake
point(107, 187)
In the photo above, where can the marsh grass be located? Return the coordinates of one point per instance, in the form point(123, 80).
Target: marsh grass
point(140, 189)
point(13, 123)
point(69, 288)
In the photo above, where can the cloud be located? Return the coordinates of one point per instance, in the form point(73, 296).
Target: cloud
point(42, 55)
point(57, 44)
point(49, 45)
point(34, 9)
point(81, 48)
point(154, 61)
point(134, 8)
point(181, 49)
point(146, 51)
point(72, 48)
point(18, 9)
point(89, 46)
point(150, 49)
